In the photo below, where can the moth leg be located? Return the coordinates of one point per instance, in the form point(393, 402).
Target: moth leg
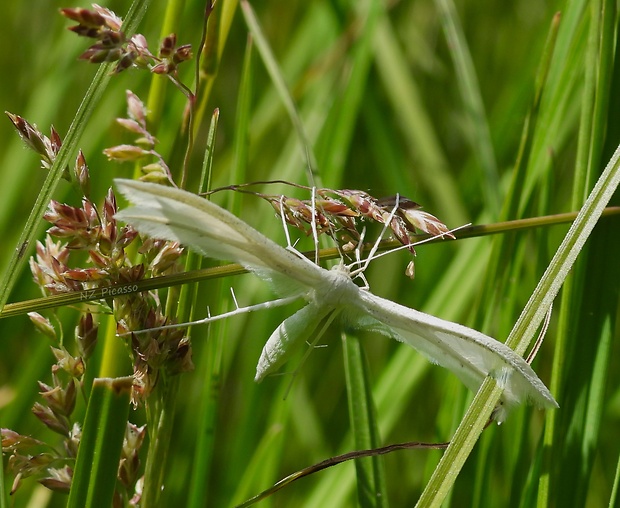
point(311, 347)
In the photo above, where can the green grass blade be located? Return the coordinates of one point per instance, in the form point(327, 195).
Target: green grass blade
point(497, 278)
point(558, 112)
point(160, 420)
point(532, 316)
point(68, 149)
point(217, 36)
point(278, 80)
point(55, 174)
point(242, 124)
point(415, 124)
point(158, 87)
point(586, 365)
point(205, 419)
point(99, 453)
point(3, 494)
point(371, 489)
point(203, 455)
point(386, 103)
point(613, 498)
point(480, 135)
point(334, 144)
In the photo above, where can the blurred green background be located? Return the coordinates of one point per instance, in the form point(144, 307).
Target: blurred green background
point(390, 103)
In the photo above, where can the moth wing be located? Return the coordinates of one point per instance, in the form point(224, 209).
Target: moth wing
point(178, 215)
point(294, 330)
point(470, 354)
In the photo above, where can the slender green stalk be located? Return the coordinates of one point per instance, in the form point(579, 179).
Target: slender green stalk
point(160, 418)
point(159, 84)
point(161, 405)
point(217, 35)
point(203, 456)
point(37, 304)
point(261, 464)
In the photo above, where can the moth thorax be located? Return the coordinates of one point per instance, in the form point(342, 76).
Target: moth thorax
point(336, 288)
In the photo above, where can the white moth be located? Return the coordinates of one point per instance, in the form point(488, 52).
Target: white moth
point(173, 214)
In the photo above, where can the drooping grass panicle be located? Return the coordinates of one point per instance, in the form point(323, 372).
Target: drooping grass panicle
point(340, 214)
